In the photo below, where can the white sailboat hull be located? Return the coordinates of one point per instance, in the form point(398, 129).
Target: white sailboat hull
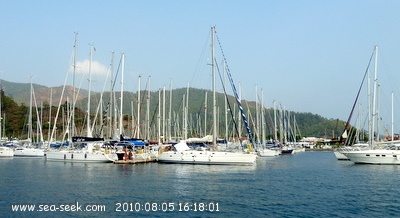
point(381, 156)
point(28, 152)
point(340, 156)
point(76, 156)
point(268, 153)
point(207, 157)
point(6, 152)
point(298, 150)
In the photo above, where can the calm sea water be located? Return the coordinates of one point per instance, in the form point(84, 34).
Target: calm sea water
point(309, 184)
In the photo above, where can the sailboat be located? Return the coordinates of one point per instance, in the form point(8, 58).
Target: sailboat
point(389, 154)
point(182, 154)
point(22, 151)
point(84, 148)
point(27, 150)
point(265, 151)
point(6, 151)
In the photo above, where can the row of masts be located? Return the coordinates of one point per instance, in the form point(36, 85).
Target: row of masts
point(168, 129)
point(181, 128)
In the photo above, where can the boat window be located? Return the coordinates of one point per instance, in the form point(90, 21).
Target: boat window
point(377, 155)
point(367, 155)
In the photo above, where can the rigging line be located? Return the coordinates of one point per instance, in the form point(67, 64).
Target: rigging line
point(229, 105)
point(53, 131)
point(201, 107)
point(113, 85)
point(181, 104)
point(358, 94)
point(146, 94)
point(107, 107)
point(387, 72)
point(100, 104)
point(290, 128)
point(353, 134)
point(264, 111)
point(268, 122)
point(251, 118)
point(199, 67)
point(154, 115)
point(249, 133)
point(116, 75)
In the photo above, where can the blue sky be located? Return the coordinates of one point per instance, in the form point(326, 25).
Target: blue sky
point(309, 56)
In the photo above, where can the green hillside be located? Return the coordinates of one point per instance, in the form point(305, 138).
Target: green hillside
point(199, 113)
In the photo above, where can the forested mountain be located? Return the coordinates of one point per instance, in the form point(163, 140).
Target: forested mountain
point(16, 101)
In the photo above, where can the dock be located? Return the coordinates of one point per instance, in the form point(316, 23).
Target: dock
point(135, 161)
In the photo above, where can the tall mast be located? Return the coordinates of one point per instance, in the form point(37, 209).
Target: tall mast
point(184, 122)
point(51, 99)
point(257, 130)
point(111, 103)
point(138, 110)
point(205, 114)
point(392, 119)
point(159, 117)
point(164, 123)
point(285, 125)
point(122, 94)
point(186, 112)
point(369, 109)
point(132, 128)
point(89, 131)
point(275, 125)
point(262, 119)
point(73, 89)
point(30, 114)
point(375, 91)
point(170, 112)
point(214, 142)
point(148, 112)
point(226, 107)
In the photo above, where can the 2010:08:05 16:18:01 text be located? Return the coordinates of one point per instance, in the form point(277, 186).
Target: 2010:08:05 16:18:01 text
point(166, 206)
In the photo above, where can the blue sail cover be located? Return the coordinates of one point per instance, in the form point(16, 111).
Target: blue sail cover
point(136, 142)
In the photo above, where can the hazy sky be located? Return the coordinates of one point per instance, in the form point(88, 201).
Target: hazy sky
point(309, 56)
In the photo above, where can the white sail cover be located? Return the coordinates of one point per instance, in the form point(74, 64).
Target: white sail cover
point(207, 138)
point(181, 146)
